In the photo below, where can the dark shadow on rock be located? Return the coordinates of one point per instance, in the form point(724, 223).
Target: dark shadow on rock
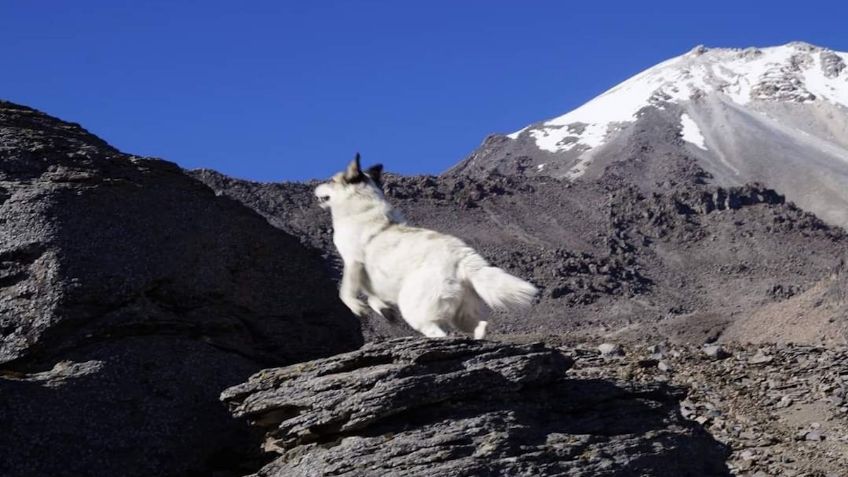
point(140, 406)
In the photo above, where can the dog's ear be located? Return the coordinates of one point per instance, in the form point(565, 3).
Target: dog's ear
point(353, 173)
point(375, 172)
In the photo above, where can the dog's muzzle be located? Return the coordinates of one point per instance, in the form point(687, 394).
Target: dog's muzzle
point(322, 193)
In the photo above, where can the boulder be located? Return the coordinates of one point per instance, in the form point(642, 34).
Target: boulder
point(130, 297)
point(457, 407)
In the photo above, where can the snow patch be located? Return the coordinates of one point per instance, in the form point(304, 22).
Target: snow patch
point(517, 133)
point(691, 132)
point(833, 89)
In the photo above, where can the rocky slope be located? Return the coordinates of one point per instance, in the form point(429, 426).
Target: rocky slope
point(780, 409)
point(650, 248)
point(777, 116)
point(455, 407)
point(130, 296)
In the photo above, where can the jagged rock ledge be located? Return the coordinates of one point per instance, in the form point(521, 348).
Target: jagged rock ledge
point(456, 407)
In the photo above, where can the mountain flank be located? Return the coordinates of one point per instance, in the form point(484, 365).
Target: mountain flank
point(776, 115)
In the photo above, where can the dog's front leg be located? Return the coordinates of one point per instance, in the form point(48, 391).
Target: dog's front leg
point(381, 307)
point(351, 284)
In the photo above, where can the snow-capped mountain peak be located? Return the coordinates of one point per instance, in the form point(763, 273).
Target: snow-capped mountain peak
point(776, 115)
point(795, 72)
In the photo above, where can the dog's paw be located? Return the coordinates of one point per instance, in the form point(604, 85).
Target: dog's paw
point(480, 330)
point(357, 307)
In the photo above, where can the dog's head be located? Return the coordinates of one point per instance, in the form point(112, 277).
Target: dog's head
point(351, 184)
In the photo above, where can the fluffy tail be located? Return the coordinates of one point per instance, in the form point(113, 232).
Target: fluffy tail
point(495, 287)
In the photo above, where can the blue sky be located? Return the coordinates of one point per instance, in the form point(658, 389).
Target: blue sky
point(289, 90)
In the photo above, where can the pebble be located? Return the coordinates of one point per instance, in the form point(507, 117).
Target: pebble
point(610, 349)
point(761, 358)
point(716, 351)
point(747, 455)
point(657, 352)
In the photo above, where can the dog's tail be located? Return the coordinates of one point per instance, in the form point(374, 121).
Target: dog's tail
point(495, 287)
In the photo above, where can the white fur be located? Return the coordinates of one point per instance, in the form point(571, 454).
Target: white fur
point(435, 280)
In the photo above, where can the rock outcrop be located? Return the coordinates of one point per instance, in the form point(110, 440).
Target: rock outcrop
point(456, 407)
point(130, 296)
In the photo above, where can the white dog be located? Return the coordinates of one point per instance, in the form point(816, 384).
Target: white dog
point(435, 280)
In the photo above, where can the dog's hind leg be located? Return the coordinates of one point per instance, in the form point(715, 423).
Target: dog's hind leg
point(473, 326)
point(480, 330)
point(469, 318)
point(428, 302)
point(432, 330)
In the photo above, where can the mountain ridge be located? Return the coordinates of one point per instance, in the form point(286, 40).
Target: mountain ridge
point(778, 116)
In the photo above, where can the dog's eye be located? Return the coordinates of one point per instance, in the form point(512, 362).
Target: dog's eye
point(323, 198)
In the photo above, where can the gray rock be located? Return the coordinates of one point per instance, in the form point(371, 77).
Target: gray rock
point(610, 349)
point(450, 407)
point(748, 455)
point(715, 351)
point(130, 296)
point(657, 351)
point(831, 64)
point(760, 358)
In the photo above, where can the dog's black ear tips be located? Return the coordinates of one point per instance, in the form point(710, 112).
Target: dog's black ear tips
point(353, 171)
point(374, 172)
